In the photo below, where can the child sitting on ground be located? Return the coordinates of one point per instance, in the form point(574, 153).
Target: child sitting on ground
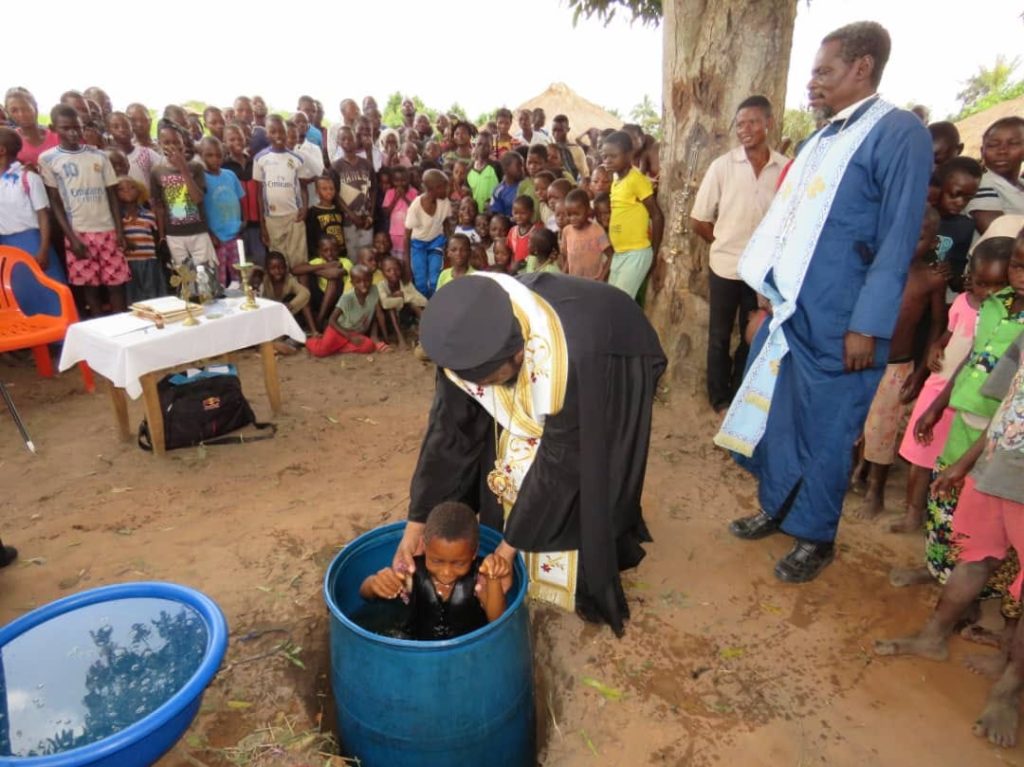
point(140, 233)
point(943, 360)
point(368, 258)
point(353, 327)
point(452, 590)
point(278, 284)
point(427, 227)
point(586, 249)
point(396, 295)
point(458, 257)
point(925, 292)
point(332, 277)
point(543, 252)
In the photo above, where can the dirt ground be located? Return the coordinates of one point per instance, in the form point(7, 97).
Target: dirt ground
point(721, 664)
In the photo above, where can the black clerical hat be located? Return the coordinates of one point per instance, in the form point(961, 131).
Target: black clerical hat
point(469, 328)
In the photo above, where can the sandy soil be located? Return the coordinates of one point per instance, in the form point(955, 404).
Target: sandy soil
point(720, 665)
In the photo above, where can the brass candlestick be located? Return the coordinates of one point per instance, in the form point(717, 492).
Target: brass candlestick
point(245, 273)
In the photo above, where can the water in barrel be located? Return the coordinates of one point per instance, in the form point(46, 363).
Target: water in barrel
point(91, 672)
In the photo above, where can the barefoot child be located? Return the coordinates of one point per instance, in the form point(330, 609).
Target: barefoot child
point(925, 291)
point(482, 177)
point(396, 206)
point(986, 275)
point(427, 227)
point(332, 278)
point(354, 323)
point(325, 217)
point(453, 590)
point(989, 520)
point(458, 256)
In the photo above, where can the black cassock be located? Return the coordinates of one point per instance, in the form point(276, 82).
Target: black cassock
point(583, 488)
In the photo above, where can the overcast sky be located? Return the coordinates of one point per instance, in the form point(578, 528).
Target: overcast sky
point(446, 50)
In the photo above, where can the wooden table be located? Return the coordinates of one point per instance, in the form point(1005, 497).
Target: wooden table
point(133, 354)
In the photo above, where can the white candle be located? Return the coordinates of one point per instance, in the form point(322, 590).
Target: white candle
point(241, 253)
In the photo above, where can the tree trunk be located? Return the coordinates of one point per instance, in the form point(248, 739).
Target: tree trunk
point(716, 53)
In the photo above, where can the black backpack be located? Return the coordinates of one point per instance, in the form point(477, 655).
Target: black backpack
point(202, 410)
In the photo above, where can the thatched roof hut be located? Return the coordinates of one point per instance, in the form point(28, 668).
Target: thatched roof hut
point(559, 98)
point(971, 128)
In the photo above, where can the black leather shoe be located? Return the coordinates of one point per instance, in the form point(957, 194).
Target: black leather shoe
point(805, 562)
point(752, 528)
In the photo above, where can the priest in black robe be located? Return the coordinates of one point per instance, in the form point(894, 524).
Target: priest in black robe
point(569, 369)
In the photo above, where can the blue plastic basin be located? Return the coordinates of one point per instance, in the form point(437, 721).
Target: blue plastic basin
point(110, 676)
point(404, 703)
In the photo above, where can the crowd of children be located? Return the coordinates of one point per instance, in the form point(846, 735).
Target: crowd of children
point(356, 225)
point(368, 220)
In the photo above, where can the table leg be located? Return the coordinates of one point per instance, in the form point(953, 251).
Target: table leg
point(154, 413)
point(270, 378)
point(120, 403)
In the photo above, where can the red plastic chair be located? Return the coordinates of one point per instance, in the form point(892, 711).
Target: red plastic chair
point(20, 332)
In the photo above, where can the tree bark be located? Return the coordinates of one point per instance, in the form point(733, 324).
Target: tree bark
point(716, 53)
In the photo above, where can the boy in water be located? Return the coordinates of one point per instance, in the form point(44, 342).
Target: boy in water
point(452, 590)
point(82, 188)
point(989, 520)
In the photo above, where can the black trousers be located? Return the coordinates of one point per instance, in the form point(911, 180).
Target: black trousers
point(729, 300)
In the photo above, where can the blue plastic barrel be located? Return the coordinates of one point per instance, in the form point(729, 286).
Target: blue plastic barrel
point(403, 703)
point(110, 677)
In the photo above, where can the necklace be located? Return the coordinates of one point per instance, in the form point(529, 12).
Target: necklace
point(499, 481)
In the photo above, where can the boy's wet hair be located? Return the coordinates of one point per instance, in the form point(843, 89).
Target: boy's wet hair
point(543, 242)
point(525, 201)
point(578, 197)
point(1013, 121)
point(967, 165)
point(452, 521)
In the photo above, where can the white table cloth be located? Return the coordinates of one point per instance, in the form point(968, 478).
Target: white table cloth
point(123, 348)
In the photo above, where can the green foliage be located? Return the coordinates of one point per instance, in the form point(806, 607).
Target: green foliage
point(615, 112)
point(646, 116)
point(797, 124)
point(392, 112)
point(647, 12)
point(485, 117)
point(457, 109)
point(1011, 91)
point(988, 81)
